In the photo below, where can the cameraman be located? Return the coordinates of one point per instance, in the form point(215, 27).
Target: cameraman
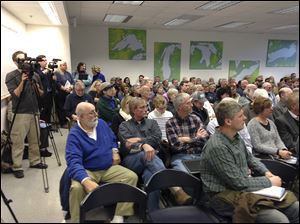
point(21, 84)
point(47, 82)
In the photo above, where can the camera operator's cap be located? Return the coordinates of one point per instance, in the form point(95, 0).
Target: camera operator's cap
point(105, 86)
point(199, 96)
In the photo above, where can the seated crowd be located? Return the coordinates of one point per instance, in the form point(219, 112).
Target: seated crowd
point(228, 126)
point(119, 130)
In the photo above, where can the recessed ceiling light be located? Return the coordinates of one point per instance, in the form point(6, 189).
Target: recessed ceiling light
point(116, 18)
point(217, 5)
point(287, 11)
point(50, 10)
point(285, 27)
point(176, 22)
point(234, 24)
point(129, 2)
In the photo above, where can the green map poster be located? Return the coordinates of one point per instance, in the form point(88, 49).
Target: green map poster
point(206, 55)
point(167, 58)
point(282, 53)
point(239, 69)
point(127, 44)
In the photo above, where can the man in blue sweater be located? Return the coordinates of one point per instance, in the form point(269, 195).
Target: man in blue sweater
point(92, 156)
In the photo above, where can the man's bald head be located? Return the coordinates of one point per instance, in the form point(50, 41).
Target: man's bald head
point(84, 107)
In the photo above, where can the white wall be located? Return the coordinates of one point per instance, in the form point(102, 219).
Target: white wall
point(89, 44)
point(34, 40)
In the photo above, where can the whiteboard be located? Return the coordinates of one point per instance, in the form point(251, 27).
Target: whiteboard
point(9, 44)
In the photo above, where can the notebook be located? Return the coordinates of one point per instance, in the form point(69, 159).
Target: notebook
point(274, 193)
point(193, 165)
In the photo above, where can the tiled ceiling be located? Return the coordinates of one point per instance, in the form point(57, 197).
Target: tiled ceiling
point(153, 14)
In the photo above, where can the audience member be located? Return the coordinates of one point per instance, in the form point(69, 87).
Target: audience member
point(288, 123)
point(126, 80)
point(74, 99)
point(81, 74)
point(140, 138)
point(108, 105)
point(280, 108)
point(92, 156)
point(198, 100)
point(122, 115)
point(160, 114)
point(185, 132)
point(172, 93)
point(95, 90)
point(97, 75)
point(64, 83)
point(225, 165)
point(247, 95)
point(248, 108)
point(263, 132)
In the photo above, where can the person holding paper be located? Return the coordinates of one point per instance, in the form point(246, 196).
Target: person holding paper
point(64, 83)
point(225, 165)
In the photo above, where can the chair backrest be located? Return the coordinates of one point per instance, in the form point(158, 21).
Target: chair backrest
point(106, 197)
point(173, 178)
point(286, 172)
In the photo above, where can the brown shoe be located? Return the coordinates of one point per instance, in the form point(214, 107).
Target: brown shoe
point(183, 198)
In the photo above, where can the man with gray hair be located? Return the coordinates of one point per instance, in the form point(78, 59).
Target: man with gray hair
point(280, 108)
point(140, 137)
point(185, 132)
point(288, 123)
point(225, 164)
point(92, 156)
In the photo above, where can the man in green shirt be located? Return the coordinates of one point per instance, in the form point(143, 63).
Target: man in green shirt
point(226, 163)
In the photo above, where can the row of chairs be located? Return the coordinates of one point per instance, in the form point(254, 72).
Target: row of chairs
point(99, 205)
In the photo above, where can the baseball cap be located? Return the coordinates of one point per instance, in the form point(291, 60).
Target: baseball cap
point(105, 86)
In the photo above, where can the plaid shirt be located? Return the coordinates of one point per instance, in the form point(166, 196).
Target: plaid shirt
point(225, 165)
point(188, 127)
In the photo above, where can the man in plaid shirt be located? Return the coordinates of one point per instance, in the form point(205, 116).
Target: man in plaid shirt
point(185, 132)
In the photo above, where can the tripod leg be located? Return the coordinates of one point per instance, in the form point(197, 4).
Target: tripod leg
point(54, 148)
point(45, 176)
point(8, 206)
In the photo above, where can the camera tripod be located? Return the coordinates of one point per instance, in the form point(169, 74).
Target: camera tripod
point(6, 202)
point(31, 87)
point(50, 135)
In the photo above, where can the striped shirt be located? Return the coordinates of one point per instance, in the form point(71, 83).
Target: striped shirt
point(225, 165)
point(188, 127)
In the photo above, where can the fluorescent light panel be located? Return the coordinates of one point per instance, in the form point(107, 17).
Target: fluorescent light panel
point(176, 22)
point(116, 18)
point(233, 24)
point(287, 11)
point(217, 5)
point(50, 11)
point(285, 27)
point(129, 2)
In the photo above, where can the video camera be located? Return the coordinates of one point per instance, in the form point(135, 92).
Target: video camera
point(53, 64)
point(28, 65)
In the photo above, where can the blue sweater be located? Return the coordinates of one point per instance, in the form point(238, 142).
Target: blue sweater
point(83, 152)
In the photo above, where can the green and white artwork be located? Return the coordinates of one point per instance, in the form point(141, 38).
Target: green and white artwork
point(167, 57)
point(239, 69)
point(206, 55)
point(127, 44)
point(282, 53)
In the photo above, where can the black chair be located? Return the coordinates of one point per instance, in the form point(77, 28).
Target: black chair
point(286, 172)
point(177, 214)
point(100, 204)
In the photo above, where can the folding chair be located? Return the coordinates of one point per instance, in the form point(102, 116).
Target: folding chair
point(100, 204)
point(170, 178)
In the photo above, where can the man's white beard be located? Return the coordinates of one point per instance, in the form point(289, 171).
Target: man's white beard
point(92, 124)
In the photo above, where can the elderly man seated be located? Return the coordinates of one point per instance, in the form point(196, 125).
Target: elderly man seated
point(92, 156)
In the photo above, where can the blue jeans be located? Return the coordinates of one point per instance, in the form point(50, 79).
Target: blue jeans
point(137, 163)
point(176, 160)
point(290, 214)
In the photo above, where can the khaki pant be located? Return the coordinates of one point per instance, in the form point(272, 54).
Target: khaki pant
point(113, 174)
point(24, 125)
